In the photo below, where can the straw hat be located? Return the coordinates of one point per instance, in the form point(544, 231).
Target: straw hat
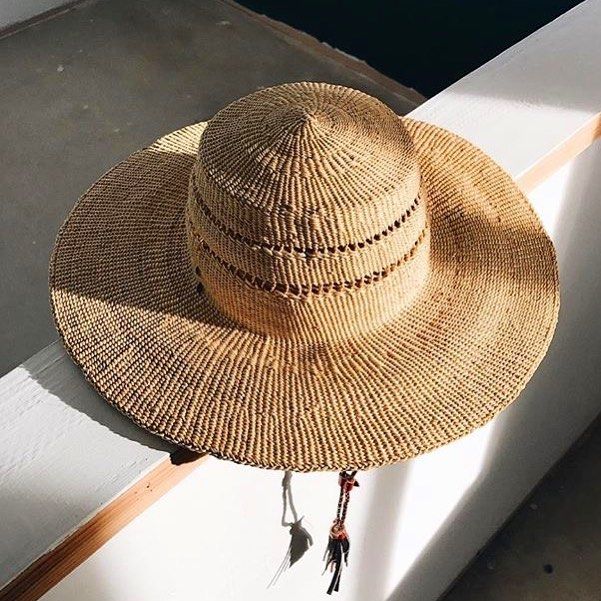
point(306, 282)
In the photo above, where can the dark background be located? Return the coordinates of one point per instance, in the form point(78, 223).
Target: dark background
point(427, 44)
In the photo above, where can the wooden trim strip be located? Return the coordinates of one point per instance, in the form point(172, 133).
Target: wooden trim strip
point(568, 150)
point(57, 563)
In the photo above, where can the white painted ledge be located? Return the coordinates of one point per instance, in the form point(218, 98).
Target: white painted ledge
point(65, 455)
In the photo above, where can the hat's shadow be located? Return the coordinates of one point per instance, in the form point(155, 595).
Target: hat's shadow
point(124, 241)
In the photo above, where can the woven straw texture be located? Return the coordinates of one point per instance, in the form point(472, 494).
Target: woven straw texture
point(307, 282)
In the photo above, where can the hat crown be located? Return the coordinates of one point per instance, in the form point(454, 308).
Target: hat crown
point(303, 191)
point(293, 162)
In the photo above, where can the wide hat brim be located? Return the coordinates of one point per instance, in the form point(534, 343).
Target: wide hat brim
point(127, 306)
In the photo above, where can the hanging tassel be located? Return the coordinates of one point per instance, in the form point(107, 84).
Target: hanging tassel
point(338, 547)
point(336, 552)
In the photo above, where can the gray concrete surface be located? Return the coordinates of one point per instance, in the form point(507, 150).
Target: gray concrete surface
point(83, 90)
point(16, 11)
point(550, 550)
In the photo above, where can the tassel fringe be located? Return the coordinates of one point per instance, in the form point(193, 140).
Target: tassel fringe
point(338, 548)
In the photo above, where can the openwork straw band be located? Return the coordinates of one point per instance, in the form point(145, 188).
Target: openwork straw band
point(281, 292)
point(333, 312)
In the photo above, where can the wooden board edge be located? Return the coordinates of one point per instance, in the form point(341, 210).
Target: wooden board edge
point(53, 566)
point(568, 150)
